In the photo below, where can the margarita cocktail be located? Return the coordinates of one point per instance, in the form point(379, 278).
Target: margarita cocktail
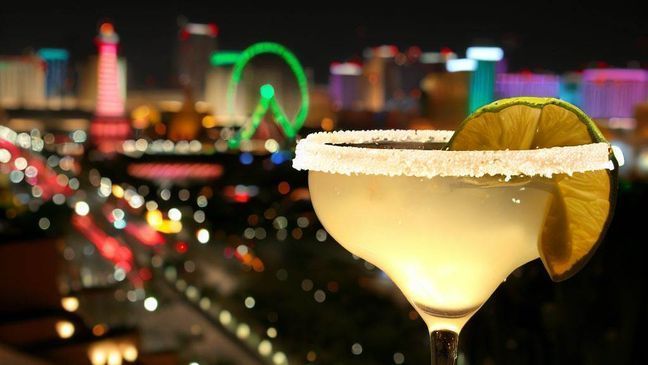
point(437, 239)
point(446, 226)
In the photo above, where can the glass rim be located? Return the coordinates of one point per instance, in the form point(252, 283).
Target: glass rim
point(330, 152)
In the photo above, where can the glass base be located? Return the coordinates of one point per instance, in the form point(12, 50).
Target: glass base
point(444, 347)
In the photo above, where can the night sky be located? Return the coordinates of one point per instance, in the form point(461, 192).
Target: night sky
point(551, 36)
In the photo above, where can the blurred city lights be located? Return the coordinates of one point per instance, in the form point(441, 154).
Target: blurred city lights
point(129, 352)
point(64, 329)
point(174, 214)
point(202, 235)
point(485, 53)
point(150, 304)
point(265, 347)
point(70, 304)
point(461, 64)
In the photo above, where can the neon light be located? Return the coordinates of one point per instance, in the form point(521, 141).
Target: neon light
point(615, 74)
point(461, 64)
point(109, 247)
point(106, 29)
point(267, 91)
point(109, 100)
point(570, 89)
point(225, 58)
point(526, 84)
point(384, 51)
point(145, 234)
point(614, 93)
point(485, 53)
point(482, 80)
point(53, 54)
point(175, 171)
point(290, 128)
point(109, 128)
point(437, 57)
point(482, 85)
point(210, 30)
point(346, 69)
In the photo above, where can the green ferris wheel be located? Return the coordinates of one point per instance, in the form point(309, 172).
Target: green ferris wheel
point(267, 101)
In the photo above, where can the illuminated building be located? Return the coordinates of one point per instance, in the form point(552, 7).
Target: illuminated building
point(434, 58)
point(641, 115)
point(446, 93)
point(22, 82)
point(345, 85)
point(218, 77)
point(570, 89)
point(196, 44)
point(482, 80)
point(88, 82)
point(186, 123)
point(56, 61)
point(109, 126)
point(641, 140)
point(509, 85)
point(376, 76)
point(110, 102)
point(613, 93)
point(392, 79)
point(612, 97)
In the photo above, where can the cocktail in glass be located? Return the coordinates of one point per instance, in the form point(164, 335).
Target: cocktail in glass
point(446, 226)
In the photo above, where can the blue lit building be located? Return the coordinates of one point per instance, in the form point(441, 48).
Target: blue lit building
point(570, 89)
point(56, 61)
point(482, 80)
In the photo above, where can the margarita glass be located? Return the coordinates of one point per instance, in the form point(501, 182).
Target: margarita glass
point(446, 226)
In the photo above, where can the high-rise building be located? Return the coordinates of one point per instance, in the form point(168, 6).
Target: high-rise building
point(570, 89)
point(445, 94)
point(612, 97)
point(377, 78)
point(197, 42)
point(482, 81)
point(392, 79)
point(110, 125)
point(614, 93)
point(345, 86)
point(109, 99)
point(22, 82)
point(508, 85)
point(87, 83)
point(56, 61)
point(218, 78)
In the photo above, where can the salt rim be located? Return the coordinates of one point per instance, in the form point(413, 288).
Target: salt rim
point(318, 152)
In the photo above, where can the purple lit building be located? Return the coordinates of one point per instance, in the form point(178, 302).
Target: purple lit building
point(345, 85)
point(509, 85)
point(614, 93)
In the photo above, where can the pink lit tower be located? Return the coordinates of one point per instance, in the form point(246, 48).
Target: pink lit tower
point(110, 127)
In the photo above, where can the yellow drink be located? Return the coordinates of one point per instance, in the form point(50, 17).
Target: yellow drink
point(447, 242)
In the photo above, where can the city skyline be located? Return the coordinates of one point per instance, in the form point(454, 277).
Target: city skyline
point(149, 37)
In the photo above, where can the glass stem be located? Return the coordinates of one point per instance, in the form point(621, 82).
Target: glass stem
point(444, 347)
